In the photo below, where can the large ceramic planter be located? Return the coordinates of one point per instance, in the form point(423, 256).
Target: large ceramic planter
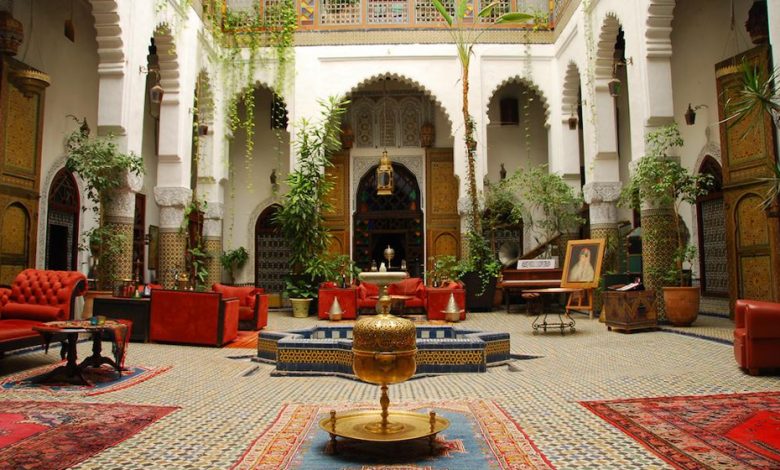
point(478, 299)
point(300, 307)
point(681, 304)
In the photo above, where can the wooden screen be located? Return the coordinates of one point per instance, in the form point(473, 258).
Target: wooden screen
point(442, 218)
point(748, 152)
point(337, 220)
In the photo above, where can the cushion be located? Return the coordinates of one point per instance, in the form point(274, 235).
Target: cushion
point(16, 329)
point(246, 313)
point(366, 290)
point(405, 287)
point(44, 313)
point(242, 293)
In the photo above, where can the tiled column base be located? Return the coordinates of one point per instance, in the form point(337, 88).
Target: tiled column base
point(609, 232)
point(120, 265)
point(214, 267)
point(172, 251)
point(659, 244)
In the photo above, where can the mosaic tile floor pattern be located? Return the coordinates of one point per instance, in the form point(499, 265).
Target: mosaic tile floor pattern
point(226, 401)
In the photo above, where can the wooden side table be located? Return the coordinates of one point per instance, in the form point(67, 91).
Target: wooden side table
point(128, 308)
point(630, 310)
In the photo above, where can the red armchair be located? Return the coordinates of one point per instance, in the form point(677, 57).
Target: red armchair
point(757, 335)
point(439, 297)
point(252, 305)
point(36, 296)
point(367, 294)
point(192, 317)
point(413, 287)
point(348, 299)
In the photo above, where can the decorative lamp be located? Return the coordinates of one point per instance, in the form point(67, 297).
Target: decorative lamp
point(156, 92)
point(11, 33)
point(573, 121)
point(384, 176)
point(614, 86)
point(690, 113)
point(335, 311)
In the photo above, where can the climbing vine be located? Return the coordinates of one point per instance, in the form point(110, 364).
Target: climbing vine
point(590, 75)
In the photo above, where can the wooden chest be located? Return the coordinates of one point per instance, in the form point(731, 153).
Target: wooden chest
point(631, 310)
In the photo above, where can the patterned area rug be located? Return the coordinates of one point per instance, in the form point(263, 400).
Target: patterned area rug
point(711, 431)
point(104, 379)
point(52, 435)
point(481, 435)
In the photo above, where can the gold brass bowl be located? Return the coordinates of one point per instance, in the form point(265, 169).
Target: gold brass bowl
point(384, 348)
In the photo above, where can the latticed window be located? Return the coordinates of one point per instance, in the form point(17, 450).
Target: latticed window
point(64, 195)
point(340, 12)
point(388, 11)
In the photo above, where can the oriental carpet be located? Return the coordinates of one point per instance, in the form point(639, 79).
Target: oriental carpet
point(481, 435)
point(53, 435)
point(103, 379)
point(710, 431)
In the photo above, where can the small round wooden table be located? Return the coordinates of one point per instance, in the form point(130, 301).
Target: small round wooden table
point(564, 320)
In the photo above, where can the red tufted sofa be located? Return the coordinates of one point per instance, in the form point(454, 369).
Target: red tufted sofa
point(35, 297)
point(252, 305)
point(413, 287)
point(757, 335)
point(188, 317)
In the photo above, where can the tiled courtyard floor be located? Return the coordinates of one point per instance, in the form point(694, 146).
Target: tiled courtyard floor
point(227, 401)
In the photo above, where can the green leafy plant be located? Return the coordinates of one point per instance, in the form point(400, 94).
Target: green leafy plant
point(660, 180)
point(103, 168)
point(755, 99)
point(442, 268)
point(233, 260)
point(300, 288)
point(301, 216)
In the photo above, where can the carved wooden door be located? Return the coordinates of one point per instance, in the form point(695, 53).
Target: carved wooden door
point(748, 151)
point(442, 218)
point(337, 219)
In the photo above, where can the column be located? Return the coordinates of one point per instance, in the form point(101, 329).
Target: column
point(116, 261)
point(173, 239)
point(659, 246)
point(602, 198)
point(212, 238)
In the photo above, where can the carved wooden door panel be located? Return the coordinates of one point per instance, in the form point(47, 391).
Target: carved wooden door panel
point(748, 152)
point(442, 218)
point(337, 219)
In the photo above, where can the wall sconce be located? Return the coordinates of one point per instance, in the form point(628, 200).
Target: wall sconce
point(203, 129)
point(690, 113)
point(573, 120)
point(615, 85)
point(156, 92)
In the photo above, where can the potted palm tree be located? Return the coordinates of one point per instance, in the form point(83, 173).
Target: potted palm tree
point(301, 216)
point(659, 181)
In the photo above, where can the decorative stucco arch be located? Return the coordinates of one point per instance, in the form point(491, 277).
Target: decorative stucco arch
point(571, 90)
point(407, 81)
point(108, 26)
point(169, 62)
point(605, 47)
point(517, 79)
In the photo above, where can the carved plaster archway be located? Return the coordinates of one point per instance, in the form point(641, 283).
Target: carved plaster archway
point(169, 62)
point(659, 28)
point(111, 53)
point(571, 90)
point(517, 79)
point(605, 47)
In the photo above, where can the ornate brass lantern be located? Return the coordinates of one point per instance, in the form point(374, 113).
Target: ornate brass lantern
point(384, 176)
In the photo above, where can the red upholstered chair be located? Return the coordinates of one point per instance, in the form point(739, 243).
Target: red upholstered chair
point(252, 305)
point(757, 335)
point(413, 287)
point(348, 299)
point(439, 297)
point(367, 295)
point(36, 296)
point(192, 317)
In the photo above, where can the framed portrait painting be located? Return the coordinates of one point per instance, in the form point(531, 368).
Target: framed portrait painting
point(582, 265)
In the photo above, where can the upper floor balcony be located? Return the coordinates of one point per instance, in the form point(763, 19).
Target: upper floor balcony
point(390, 20)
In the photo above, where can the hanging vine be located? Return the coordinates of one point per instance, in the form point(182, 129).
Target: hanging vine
point(590, 76)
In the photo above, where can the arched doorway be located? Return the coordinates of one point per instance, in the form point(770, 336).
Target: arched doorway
point(271, 253)
point(394, 220)
point(713, 258)
point(62, 222)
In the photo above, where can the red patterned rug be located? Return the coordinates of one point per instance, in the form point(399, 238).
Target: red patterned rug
point(53, 435)
point(710, 431)
point(481, 435)
point(245, 340)
point(104, 379)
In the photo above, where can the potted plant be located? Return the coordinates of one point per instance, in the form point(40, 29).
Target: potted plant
point(301, 293)
point(233, 260)
point(659, 181)
point(301, 216)
point(104, 169)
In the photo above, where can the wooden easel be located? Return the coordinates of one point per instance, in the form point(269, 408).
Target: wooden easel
point(581, 301)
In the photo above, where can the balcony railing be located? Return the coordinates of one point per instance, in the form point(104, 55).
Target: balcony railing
point(238, 15)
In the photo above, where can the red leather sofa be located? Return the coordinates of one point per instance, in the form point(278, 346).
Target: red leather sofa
point(757, 335)
point(348, 300)
point(413, 287)
point(35, 297)
point(188, 317)
point(439, 297)
point(252, 305)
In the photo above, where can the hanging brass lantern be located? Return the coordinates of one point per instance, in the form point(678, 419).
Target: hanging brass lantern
point(384, 176)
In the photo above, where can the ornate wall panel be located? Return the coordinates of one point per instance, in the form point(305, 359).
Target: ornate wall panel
point(272, 253)
point(14, 245)
point(747, 153)
point(713, 241)
point(442, 218)
point(337, 220)
point(392, 120)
